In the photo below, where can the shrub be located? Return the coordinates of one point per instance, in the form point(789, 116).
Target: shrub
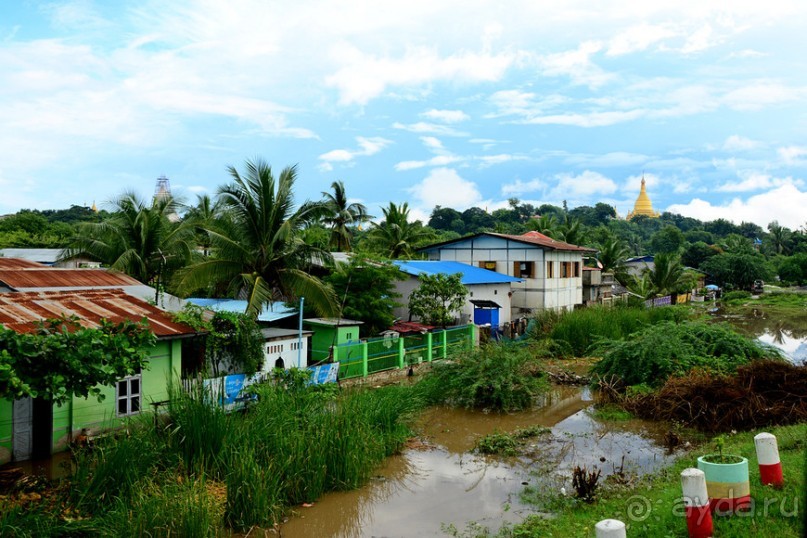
point(654, 354)
point(737, 295)
point(579, 331)
point(494, 376)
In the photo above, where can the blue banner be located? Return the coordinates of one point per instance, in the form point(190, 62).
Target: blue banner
point(324, 373)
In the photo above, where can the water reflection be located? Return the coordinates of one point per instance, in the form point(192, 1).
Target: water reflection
point(445, 483)
point(787, 331)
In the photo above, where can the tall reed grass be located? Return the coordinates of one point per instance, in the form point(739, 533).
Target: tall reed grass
point(582, 330)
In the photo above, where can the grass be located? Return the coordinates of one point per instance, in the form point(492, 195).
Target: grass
point(508, 444)
point(652, 507)
point(154, 478)
point(494, 377)
point(579, 331)
point(610, 412)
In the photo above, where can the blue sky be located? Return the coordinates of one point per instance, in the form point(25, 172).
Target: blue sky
point(456, 103)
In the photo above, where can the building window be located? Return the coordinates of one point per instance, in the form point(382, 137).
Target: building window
point(524, 269)
point(349, 336)
point(566, 269)
point(550, 269)
point(489, 265)
point(577, 269)
point(128, 395)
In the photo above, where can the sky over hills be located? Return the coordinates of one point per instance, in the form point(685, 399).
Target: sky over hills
point(451, 103)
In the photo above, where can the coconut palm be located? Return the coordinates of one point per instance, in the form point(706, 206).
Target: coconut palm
point(780, 237)
point(668, 275)
point(395, 236)
point(257, 251)
point(202, 216)
point(544, 224)
point(339, 215)
point(139, 239)
point(612, 253)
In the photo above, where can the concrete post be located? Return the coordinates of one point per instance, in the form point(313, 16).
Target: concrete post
point(770, 466)
point(610, 528)
point(696, 502)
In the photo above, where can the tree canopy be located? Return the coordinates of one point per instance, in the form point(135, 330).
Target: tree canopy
point(62, 359)
point(437, 298)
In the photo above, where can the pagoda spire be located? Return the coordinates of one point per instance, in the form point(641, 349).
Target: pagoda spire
point(643, 205)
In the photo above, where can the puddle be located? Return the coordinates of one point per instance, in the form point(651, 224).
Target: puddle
point(422, 489)
point(785, 331)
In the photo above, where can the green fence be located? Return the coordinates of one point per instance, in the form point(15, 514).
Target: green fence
point(359, 359)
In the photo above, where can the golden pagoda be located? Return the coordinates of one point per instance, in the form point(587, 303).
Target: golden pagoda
point(643, 206)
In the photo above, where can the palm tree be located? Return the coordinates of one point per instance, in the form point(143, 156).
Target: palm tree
point(138, 239)
point(612, 255)
point(545, 224)
point(668, 274)
point(780, 236)
point(202, 216)
point(395, 236)
point(338, 215)
point(257, 251)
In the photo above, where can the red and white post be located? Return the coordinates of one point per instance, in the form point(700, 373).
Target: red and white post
point(696, 501)
point(770, 466)
point(610, 528)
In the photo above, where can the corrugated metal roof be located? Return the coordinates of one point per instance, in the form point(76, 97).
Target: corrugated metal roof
point(531, 238)
point(333, 322)
point(270, 312)
point(46, 256)
point(18, 263)
point(470, 274)
point(21, 312)
point(51, 277)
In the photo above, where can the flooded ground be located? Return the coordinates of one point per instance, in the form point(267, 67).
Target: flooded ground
point(441, 481)
point(785, 330)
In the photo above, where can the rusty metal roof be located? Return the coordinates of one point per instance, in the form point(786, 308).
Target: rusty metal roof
point(537, 238)
point(52, 277)
point(22, 311)
point(19, 263)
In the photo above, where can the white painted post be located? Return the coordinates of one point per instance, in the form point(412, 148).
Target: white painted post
point(696, 501)
point(770, 466)
point(610, 528)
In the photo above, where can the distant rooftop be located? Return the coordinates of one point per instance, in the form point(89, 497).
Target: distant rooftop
point(22, 312)
point(333, 322)
point(271, 312)
point(470, 273)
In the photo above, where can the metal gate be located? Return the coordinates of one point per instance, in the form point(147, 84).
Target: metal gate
point(22, 429)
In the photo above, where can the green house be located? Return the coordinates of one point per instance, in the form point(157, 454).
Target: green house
point(32, 428)
point(329, 332)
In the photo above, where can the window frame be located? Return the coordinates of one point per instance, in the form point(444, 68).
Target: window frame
point(130, 395)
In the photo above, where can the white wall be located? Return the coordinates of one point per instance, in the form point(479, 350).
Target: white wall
point(536, 293)
point(285, 348)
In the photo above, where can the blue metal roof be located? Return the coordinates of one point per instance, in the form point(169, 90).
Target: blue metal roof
point(271, 312)
point(470, 274)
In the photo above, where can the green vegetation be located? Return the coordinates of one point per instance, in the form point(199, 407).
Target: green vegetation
point(230, 339)
point(495, 377)
point(737, 295)
point(652, 507)
point(62, 359)
point(257, 246)
point(395, 236)
point(438, 298)
point(366, 289)
point(507, 444)
point(610, 412)
point(581, 330)
point(199, 471)
point(670, 349)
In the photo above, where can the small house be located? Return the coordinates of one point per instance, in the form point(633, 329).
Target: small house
point(330, 332)
point(32, 427)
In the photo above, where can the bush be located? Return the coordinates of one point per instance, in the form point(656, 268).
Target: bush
point(580, 330)
point(654, 354)
point(737, 295)
point(495, 376)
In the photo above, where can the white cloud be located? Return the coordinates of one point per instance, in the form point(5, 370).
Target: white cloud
point(754, 181)
point(367, 147)
point(638, 38)
point(577, 65)
point(446, 116)
point(432, 143)
point(702, 39)
point(792, 154)
point(740, 143)
point(445, 187)
point(592, 119)
point(439, 160)
point(519, 188)
point(428, 128)
point(583, 184)
point(634, 183)
point(756, 96)
point(785, 204)
point(364, 77)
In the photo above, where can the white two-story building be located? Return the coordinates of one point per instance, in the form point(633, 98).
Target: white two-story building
point(551, 271)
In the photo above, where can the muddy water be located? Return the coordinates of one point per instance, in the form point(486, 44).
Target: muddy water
point(443, 482)
point(785, 330)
